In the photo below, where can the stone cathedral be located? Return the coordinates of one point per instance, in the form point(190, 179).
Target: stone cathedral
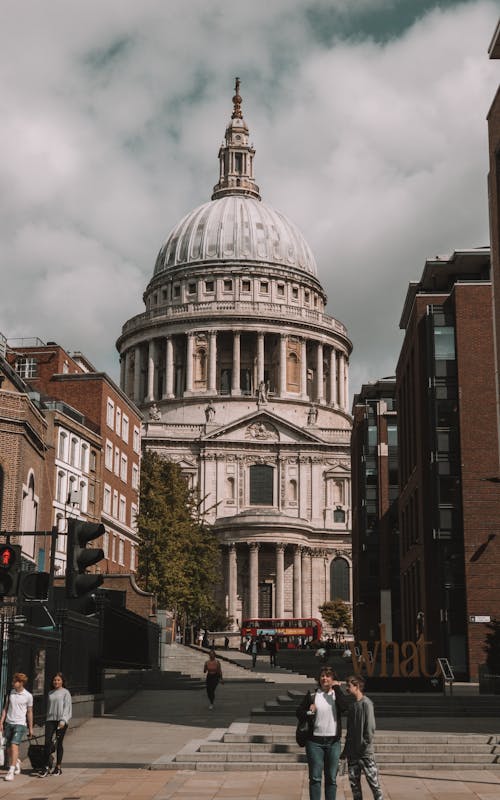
point(242, 379)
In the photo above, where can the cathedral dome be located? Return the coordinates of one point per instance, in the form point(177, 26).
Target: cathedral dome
point(236, 227)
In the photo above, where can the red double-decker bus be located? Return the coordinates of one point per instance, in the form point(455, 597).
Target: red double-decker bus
point(290, 632)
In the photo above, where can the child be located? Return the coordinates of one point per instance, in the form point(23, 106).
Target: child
point(359, 740)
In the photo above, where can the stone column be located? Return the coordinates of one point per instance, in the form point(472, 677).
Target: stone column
point(123, 372)
point(151, 371)
point(306, 583)
point(333, 377)
point(137, 374)
point(189, 362)
point(260, 358)
point(341, 381)
point(232, 582)
point(235, 385)
point(319, 373)
point(254, 579)
point(317, 581)
point(280, 579)
point(346, 384)
point(282, 365)
point(212, 364)
point(297, 582)
point(169, 367)
point(303, 369)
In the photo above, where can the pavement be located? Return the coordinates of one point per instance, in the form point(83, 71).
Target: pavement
point(108, 758)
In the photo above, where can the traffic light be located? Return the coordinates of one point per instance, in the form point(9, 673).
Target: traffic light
point(34, 586)
point(79, 557)
point(10, 569)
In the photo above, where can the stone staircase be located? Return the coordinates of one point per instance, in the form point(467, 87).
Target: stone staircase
point(242, 748)
point(398, 705)
point(183, 668)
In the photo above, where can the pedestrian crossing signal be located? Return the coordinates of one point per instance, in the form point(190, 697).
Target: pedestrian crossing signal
point(10, 568)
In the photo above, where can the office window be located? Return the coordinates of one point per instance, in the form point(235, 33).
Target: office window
point(135, 476)
point(84, 458)
point(137, 440)
point(108, 455)
point(74, 452)
point(26, 367)
point(113, 547)
point(63, 446)
point(61, 487)
point(122, 514)
point(125, 428)
point(105, 544)
point(132, 558)
point(121, 551)
point(115, 504)
point(92, 461)
point(110, 413)
point(118, 421)
point(106, 502)
point(117, 461)
point(124, 468)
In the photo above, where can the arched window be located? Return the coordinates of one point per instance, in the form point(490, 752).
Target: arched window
point(74, 451)
point(292, 491)
point(61, 486)
point(63, 444)
point(261, 485)
point(339, 580)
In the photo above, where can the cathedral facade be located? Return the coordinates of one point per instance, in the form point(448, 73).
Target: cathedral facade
point(243, 380)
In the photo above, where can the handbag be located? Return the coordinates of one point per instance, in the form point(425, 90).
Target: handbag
point(302, 732)
point(37, 754)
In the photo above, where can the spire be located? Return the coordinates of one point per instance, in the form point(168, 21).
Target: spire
point(236, 156)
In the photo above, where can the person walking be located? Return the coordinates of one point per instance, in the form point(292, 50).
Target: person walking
point(272, 647)
point(213, 670)
point(358, 747)
point(16, 720)
point(323, 709)
point(59, 709)
point(254, 649)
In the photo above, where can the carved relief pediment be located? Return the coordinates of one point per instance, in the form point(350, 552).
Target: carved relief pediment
point(262, 431)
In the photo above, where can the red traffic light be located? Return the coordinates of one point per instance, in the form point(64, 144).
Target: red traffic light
point(8, 556)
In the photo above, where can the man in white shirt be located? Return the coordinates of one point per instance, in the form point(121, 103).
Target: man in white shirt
point(16, 720)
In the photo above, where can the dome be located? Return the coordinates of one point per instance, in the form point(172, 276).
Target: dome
point(236, 227)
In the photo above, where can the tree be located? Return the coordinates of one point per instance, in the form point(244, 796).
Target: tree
point(179, 557)
point(337, 614)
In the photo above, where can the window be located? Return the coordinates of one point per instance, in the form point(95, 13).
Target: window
point(124, 468)
point(125, 428)
point(191, 288)
point(74, 452)
point(264, 287)
point(261, 485)
point(292, 491)
point(117, 460)
point(121, 551)
point(84, 458)
point(228, 285)
point(113, 548)
point(306, 298)
point(110, 413)
point(209, 286)
point(63, 446)
point(339, 580)
point(61, 486)
point(132, 558)
point(115, 503)
point(107, 499)
point(83, 497)
point(295, 292)
point(230, 489)
point(137, 440)
point(135, 476)
point(118, 421)
point(26, 367)
point(177, 291)
point(280, 289)
point(133, 516)
point(91, 493)
point(93, 459)
point(105, 544)
point(245, 286)
point(108, 455)
point(339, 515)
point(444, 344)
point(122, 514)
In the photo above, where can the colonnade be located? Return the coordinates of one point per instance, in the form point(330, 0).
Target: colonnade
point(310, 580)
point(131, 379)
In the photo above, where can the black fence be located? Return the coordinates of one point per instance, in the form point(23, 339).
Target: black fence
point(128, 641)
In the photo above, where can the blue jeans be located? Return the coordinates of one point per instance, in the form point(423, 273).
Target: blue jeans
point(323, 758)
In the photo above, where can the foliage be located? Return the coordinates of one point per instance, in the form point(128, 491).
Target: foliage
point(492, 648)
point(217, 620)
point(178, 557)
point(337, 614)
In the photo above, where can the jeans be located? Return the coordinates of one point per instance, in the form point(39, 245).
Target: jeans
point(323, 757)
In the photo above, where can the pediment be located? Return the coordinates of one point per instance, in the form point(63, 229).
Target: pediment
point(261, 427)
point(337, 470)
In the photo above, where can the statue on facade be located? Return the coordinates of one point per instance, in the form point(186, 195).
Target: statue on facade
point(312, 416)
point(209, 413)
point(154, 413)
point(262, 392)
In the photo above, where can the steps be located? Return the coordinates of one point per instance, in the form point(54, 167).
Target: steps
point(238, 748)
point(398, 705)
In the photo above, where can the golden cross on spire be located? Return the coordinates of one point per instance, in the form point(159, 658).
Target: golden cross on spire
point(237, 101)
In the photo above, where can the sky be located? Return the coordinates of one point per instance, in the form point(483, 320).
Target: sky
point(369, 123)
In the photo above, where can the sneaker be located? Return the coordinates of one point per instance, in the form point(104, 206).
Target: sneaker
point(44, 773)
point(57, 771)
point(10, 774)
point(17, 768)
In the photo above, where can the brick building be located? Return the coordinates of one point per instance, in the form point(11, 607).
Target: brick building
point(494, 197)
point(94, 438)
point(375, 530)
point(449, 514)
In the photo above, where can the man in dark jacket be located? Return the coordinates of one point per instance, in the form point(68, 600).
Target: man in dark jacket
point(359, 740)
point(323, 709)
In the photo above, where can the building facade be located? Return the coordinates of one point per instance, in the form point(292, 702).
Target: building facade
point(93, 443)
point(243, 380)
point(375, 527)
point(449, 513)
point(494, 206)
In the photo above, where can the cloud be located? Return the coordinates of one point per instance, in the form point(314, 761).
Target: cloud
point(112, 115)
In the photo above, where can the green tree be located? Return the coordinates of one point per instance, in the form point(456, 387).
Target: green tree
point(179, 556)
point(337, 614)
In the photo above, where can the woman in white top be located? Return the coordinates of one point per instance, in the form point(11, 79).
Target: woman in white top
point(59, 708)
point(323, 708)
